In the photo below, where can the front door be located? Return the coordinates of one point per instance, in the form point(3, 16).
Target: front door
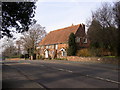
point(46, 53)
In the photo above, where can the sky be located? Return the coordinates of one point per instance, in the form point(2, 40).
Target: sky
point(56, 14)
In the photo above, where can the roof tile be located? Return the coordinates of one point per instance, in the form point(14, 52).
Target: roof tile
point(59, 36)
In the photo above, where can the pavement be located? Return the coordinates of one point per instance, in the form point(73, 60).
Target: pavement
point(58, 74)
point(12, 78)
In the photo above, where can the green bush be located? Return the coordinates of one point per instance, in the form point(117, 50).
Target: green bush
point(14, 56)
point(83, 53)
point(99, 52)
point(96, 52)
point(71, 45)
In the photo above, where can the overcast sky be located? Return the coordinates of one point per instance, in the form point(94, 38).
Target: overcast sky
point(56, 14)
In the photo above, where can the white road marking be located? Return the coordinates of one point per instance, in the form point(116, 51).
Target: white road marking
point(100, 78)
point(61, 69)
point(112, 81)
point(69, 71)
point(109, 80)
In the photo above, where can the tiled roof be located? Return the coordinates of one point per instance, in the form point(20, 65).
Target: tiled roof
point(59, 36)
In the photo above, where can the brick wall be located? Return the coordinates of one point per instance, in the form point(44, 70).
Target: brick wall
point(82, 35)
point(108, 60)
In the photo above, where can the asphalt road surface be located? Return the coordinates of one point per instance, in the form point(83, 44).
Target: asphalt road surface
point(58, 74)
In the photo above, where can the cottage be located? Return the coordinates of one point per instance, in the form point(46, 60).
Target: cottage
point(55, 43)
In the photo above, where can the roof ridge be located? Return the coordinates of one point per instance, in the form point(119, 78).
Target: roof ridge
point(60, 35)
point(64, 28)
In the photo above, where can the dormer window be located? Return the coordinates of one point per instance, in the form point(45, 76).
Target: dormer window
point(77, 39)
point(85, 40)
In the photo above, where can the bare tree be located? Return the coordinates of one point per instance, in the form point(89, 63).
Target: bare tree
point(31, 38)
point(18, 47)
point(104, 15)
point(103, 31)
point(9, 49)
point(7, 42)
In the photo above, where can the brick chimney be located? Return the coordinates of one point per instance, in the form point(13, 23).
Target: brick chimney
point(83, 26)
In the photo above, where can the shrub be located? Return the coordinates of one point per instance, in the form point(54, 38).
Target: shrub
point(96, 52)
point(14, 56)
point(83, 53)
point(71, 45)
point(100, 52)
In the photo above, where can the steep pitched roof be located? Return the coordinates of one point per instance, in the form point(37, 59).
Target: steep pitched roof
point(59, 36)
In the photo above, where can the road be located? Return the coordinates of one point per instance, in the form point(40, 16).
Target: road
point(58, 74)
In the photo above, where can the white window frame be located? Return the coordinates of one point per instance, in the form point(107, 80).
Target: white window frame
point(64, 53)
point(85, 40)
point(77, 39)
point(52, 46)
point(56, 46)
point(47, 47)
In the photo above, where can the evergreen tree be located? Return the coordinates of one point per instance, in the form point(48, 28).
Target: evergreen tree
point(71, 45)
point(17, 15)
